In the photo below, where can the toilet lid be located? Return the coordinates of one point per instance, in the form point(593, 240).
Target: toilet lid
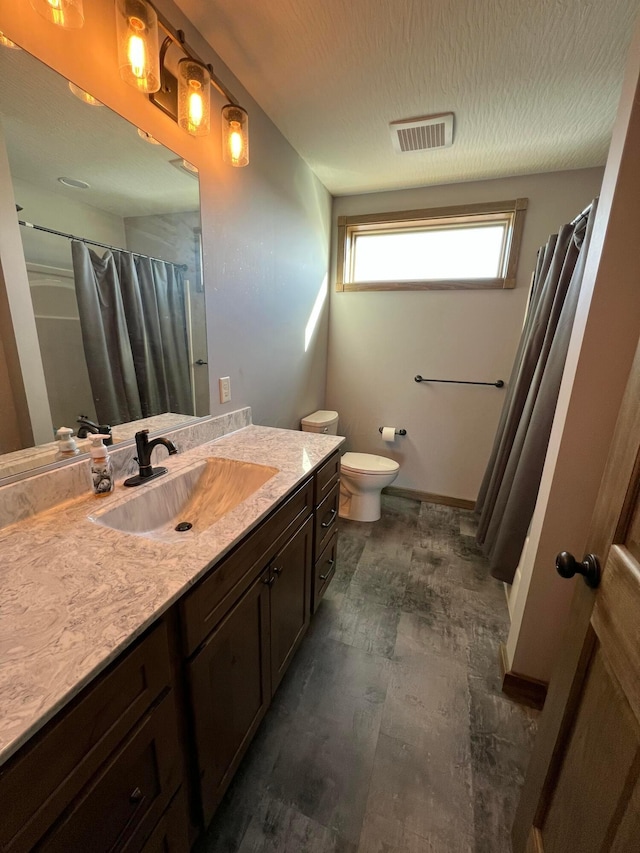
point(368, 463)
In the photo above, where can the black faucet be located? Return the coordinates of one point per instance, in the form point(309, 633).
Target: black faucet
point(144, 449)
point(87, 426)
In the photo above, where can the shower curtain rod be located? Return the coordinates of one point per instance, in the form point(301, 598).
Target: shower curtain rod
point(95, 243)
point(584, 213)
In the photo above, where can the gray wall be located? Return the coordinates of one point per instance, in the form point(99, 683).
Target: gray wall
point(380, 340)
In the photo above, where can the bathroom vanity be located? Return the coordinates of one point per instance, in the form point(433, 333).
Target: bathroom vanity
point(130, 743)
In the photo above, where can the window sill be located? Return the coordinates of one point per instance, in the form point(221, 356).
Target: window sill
point(456, 284)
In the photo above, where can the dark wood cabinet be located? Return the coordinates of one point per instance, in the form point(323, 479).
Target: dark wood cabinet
point(324, 568)
point(230, 683)
point(168, 723)
point(171, 834)
point(235, 672)
point(100, 774)
point(325, 537)
point(290, 584)
point(127, 797)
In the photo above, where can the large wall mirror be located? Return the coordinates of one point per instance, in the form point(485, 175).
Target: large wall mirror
point(119, 332)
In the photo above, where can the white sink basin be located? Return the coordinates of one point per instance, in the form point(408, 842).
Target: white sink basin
point(198, 496)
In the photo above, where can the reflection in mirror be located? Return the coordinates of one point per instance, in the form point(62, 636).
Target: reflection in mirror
point(110, 229)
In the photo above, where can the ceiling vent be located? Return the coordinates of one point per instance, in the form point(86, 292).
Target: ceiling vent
point(422, 134)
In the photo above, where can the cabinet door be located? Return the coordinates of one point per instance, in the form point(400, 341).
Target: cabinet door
point(230, 691)
point(290, 599)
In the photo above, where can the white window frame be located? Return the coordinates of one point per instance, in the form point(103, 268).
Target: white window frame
point(509, 212)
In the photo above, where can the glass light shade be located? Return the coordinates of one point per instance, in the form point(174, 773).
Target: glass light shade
point(65, 13)
point(194, 97)
point(138, 53)
point(235, 135)
point(85, 97)
point(5, 42)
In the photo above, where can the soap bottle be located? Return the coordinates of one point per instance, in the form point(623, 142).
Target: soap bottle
point(101, 466)
point(67, 447)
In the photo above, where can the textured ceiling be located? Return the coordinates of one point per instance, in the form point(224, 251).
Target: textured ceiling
point(534, 84)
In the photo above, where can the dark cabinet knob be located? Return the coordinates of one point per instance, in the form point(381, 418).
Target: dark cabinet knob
point(277, 571)
point(567, 566)
point(268, 580)
point(136, 796)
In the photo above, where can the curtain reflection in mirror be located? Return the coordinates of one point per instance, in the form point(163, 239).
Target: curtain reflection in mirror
point(134, 331)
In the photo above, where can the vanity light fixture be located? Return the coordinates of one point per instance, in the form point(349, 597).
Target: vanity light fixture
point(235, 135)
point(187, 99)
point(5, 42)
point(65, 13)
point(194, 97)
point(85, 97)
point(138, 53)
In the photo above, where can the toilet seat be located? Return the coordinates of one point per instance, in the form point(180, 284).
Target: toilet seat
point(368, 463)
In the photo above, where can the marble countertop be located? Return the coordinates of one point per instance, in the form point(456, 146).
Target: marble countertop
point(74, 594)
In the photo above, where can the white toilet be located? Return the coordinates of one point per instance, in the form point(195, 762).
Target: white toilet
point(362, 475)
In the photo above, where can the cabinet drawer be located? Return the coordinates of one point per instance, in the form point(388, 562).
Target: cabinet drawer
point(207, 603)
point(47, 775)
point(125, 800)
point(327, 518)
point(326, 477)
point(324, 569)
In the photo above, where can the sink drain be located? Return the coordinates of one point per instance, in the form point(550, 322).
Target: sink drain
point(184, 525)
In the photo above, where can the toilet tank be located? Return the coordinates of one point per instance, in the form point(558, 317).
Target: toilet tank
point(320, 421)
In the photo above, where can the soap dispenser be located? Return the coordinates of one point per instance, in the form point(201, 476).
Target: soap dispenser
point(101, 466)
point(67, 447)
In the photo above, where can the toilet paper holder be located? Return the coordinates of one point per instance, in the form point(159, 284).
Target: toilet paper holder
point(398, 431)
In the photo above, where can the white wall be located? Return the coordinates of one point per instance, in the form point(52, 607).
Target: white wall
point(380, 340)
point(265, 227)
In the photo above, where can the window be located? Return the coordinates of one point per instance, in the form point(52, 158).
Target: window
point(475, 246)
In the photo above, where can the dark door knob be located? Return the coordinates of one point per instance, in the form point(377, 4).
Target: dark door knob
point(567, 566)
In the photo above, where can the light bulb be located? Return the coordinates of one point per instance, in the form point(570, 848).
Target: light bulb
point(196, 109)
point(235, 141)
point(136, 54)
point(194, 96)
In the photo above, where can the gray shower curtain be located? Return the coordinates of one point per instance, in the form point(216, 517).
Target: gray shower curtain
point(510, 486)
point(134, 331)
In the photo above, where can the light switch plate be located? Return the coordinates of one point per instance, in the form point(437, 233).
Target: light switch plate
point(224, 383)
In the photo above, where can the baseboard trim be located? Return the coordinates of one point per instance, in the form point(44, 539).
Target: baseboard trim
point(429, 498)
point(527, 691)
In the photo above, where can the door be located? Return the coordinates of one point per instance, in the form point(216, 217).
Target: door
point(582, 790)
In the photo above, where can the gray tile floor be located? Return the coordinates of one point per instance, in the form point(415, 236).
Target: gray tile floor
point(389, 732)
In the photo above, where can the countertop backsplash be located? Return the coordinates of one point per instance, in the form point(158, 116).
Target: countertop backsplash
point(44, 490)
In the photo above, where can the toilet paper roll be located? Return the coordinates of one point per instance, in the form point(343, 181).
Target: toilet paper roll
point(389, 434)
